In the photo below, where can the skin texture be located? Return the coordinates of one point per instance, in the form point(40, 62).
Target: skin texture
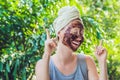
point(74, 33)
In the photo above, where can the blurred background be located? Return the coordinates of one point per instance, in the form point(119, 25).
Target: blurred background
point(22, 33)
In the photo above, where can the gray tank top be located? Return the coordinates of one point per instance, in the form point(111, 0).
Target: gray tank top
point(80, 73)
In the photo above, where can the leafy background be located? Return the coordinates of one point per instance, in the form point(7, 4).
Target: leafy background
point(22, 33)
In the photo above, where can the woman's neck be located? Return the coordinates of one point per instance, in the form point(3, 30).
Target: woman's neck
point(64, 54)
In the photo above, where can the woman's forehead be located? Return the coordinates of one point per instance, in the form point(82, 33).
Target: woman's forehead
point(75, 23)
point(76, 29)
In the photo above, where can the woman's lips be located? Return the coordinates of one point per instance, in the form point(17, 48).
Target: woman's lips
point(75, 43)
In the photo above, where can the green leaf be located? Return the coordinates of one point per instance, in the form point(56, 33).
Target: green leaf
point(98, 35)
point(23, 74)
point(15, 68)
point(41, 42)
point(43, 36)
point(1, 66)
point(6, 75)
point(7, 67)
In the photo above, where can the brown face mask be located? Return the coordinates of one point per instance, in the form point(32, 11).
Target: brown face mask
point(73, 36)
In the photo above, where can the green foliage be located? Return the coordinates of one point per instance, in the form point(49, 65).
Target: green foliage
point(22, 33)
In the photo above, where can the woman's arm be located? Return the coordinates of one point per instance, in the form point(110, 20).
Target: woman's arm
point(101, 55)
point(92, 70)
point(103, 70)
point(42, 66)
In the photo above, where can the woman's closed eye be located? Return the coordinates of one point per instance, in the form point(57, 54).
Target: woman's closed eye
point(74, 36)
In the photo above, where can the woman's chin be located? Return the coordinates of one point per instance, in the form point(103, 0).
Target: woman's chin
point(75, 47)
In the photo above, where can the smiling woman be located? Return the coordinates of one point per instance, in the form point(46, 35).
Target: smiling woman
point(65, 65)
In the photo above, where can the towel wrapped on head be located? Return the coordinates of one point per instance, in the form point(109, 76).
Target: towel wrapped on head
point(65, 15)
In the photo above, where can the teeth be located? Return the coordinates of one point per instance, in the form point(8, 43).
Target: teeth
point(74, 42)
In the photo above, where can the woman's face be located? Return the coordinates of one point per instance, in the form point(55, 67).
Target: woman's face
point(73, 35)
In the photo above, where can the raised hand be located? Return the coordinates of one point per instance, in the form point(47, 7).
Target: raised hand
point(50, 44)
point(100, 52)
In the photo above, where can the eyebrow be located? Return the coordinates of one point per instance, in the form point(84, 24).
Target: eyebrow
point(78, 25)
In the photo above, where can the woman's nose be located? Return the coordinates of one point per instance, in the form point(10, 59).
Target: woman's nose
point(78, 33)
point(78, 38)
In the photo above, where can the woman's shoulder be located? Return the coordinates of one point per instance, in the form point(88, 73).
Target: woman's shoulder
point(90, 62)
point(92, 69)
point(89, 59)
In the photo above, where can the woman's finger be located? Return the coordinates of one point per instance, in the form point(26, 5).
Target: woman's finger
point(55, 40)
point(98, 49)
point(48, 34)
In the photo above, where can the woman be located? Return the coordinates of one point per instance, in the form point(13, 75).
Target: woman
point(65, 65)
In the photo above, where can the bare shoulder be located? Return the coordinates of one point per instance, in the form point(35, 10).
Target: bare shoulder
point(92, 70)
point(89, 58)
point(90, 62)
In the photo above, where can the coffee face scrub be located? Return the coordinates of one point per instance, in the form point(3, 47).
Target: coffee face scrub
point(73, 36)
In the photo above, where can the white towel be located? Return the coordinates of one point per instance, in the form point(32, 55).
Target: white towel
point(65, 15)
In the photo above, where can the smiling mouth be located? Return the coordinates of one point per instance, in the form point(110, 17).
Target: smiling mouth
point(76, 43)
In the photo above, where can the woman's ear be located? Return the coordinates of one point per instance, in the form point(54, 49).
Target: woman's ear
point(59, 35)
point(58, 32)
